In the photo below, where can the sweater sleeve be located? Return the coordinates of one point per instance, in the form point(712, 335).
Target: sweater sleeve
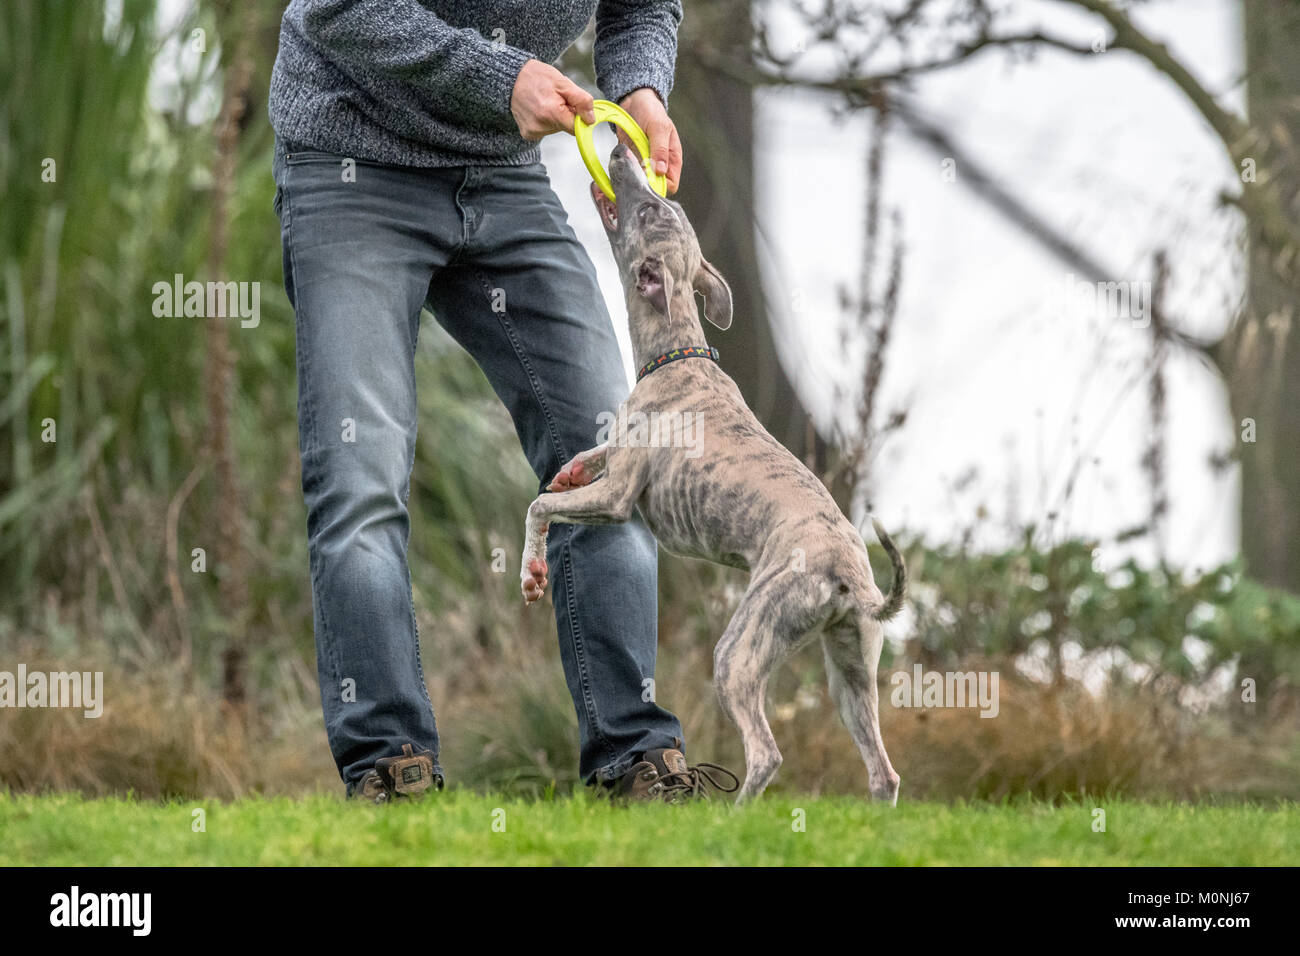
point(459, 69)
point(636, 46)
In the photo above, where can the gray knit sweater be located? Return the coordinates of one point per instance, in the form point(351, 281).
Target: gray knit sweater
point(428, 82)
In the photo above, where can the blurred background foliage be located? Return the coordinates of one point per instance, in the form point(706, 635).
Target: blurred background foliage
point(1129, 680)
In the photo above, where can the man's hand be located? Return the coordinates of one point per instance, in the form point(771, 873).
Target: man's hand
point(647, 109)
point(544, 101)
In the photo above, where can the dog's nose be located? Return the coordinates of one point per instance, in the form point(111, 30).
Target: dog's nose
point(625, 170)
point(620, 156)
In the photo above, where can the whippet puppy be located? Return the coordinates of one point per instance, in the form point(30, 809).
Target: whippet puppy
point(741, 499)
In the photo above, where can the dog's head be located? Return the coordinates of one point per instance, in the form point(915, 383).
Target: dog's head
point(656, 250)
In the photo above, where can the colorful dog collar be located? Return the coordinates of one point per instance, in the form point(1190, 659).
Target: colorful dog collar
point(690, 351)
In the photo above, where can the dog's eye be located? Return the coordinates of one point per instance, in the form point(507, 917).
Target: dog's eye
point(643, 213)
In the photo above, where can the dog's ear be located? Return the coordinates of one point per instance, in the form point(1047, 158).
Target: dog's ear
point(717, 294)
point(654, 283)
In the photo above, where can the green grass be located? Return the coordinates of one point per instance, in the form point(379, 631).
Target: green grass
point(457, 828)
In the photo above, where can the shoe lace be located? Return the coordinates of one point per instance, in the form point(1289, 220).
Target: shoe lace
point(692, 781)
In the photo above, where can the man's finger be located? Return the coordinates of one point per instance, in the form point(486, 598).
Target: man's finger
point(559, 113)
point(665, 151)
point(674, 162)
point(661, 135)
point(580, 102)
point(561, 118)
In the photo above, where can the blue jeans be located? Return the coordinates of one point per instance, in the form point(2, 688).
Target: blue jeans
point(490, 252)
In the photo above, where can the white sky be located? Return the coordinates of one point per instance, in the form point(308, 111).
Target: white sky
point(996, 370)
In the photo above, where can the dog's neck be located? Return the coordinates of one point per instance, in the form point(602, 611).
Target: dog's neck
point(654, 333)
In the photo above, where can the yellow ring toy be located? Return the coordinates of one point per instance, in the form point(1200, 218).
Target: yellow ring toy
point(607, 112)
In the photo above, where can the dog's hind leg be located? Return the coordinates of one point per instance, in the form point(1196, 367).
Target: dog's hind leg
point(852, 651)
point(768, 624)
point(744, 658)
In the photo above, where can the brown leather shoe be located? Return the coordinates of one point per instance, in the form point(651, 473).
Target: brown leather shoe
point(663, 774)
point(410, 775)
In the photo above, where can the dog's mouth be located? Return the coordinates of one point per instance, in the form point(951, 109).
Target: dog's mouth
point(606, 207)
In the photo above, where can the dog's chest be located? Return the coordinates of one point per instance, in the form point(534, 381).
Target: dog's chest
point(716, 477)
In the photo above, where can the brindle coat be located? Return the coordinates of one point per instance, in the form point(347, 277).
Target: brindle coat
point(741, 500)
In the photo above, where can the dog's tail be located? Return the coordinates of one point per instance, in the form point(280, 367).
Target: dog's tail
point(898, 587)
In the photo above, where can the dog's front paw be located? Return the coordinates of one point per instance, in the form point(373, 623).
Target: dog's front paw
point(582, 469)
point(573, 475)
point(532, 580)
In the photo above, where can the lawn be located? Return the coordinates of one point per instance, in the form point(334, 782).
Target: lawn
point(464, 828)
